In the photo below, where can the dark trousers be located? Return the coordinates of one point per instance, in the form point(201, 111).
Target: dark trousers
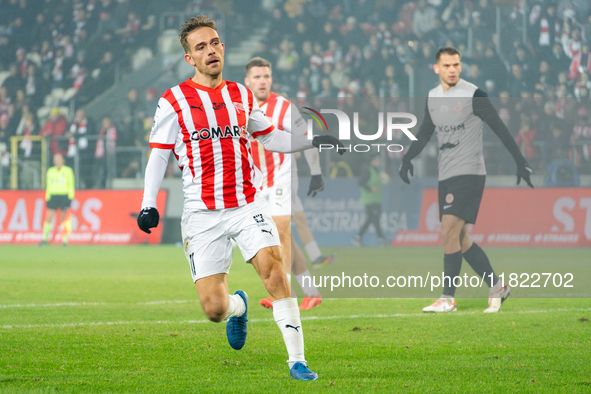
point(372, 216)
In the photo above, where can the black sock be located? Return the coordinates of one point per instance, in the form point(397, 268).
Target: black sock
point(452, 264)
point(477, 259)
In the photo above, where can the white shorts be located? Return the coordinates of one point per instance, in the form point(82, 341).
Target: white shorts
point(279, 197)
point(207, 236)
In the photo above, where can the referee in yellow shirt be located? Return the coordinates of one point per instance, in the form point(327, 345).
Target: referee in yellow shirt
point(59, 194)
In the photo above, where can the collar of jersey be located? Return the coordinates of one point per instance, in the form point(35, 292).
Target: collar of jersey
point(452, 88)
point(195, 85)
point(271, 96)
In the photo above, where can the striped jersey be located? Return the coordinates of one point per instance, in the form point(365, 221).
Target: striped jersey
point(208, 131)
point(274, 165)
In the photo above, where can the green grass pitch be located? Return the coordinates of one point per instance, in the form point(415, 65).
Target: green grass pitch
point(87, 319)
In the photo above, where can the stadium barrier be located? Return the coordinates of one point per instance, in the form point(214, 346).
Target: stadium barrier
point(557, 217)
point(97, 217)
point(336, 214)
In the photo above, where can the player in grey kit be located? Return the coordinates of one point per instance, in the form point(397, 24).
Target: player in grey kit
point(456, 110)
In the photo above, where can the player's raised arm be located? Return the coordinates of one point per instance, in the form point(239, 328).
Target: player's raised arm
point(423, 136)
point(484, 109)
point(162, 141)
point(312, 155)
point(276, 140)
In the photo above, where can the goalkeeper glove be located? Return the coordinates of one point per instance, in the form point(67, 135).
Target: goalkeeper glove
point(147, 219)
point(328, 140)
point(524, 171)
point(405, 168)
point(316, 185)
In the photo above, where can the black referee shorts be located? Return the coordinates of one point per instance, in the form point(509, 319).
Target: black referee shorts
point(460, 196)
point(58, 201)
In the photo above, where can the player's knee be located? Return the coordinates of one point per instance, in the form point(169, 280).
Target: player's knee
point(214, 310)
point(299, 219)
point(450, 236)
point(285, 236)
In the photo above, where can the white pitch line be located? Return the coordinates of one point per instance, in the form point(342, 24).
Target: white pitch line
point(122, 323)
point(60, 304)
point(93, 304)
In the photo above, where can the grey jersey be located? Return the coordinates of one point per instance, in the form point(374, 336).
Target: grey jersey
point(458, 129)
point(457, 116)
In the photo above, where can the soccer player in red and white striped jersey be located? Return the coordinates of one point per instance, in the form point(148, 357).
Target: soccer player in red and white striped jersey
point(280, 180)
point(206, 122)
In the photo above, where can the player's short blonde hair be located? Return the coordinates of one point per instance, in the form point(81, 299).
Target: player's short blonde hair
point(193, 24)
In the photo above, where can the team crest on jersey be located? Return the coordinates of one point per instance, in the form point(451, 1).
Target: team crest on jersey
point(217, 132)
point(239, 107)
point(458, 108)
point(218, 106)
point(259, 218)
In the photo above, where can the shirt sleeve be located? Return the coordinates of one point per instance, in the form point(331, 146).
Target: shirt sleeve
point(280, 141)
point(423, 136)
point(258, 123)
point(296, 125)
point(165, 127)
point(155, 171)
point(484, 109)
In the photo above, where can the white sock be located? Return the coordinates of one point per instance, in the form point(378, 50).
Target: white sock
point(236, 306)
point(309, 288)
point(287, 317)
point(313, 250)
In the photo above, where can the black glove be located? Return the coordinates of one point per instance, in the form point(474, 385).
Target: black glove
point(147, 219)
point(328, 140)
point(405, 168)
point(524, 171)
point(316, 185)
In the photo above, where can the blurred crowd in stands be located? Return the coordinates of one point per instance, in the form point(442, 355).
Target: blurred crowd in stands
point(74, 50)
point(66, 53)
point(361, 48)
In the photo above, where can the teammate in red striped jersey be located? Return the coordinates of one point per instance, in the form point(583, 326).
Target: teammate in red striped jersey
point(206, 122)
point(280, 179)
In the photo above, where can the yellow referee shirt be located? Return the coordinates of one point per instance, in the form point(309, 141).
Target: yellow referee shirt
point(60, 182)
